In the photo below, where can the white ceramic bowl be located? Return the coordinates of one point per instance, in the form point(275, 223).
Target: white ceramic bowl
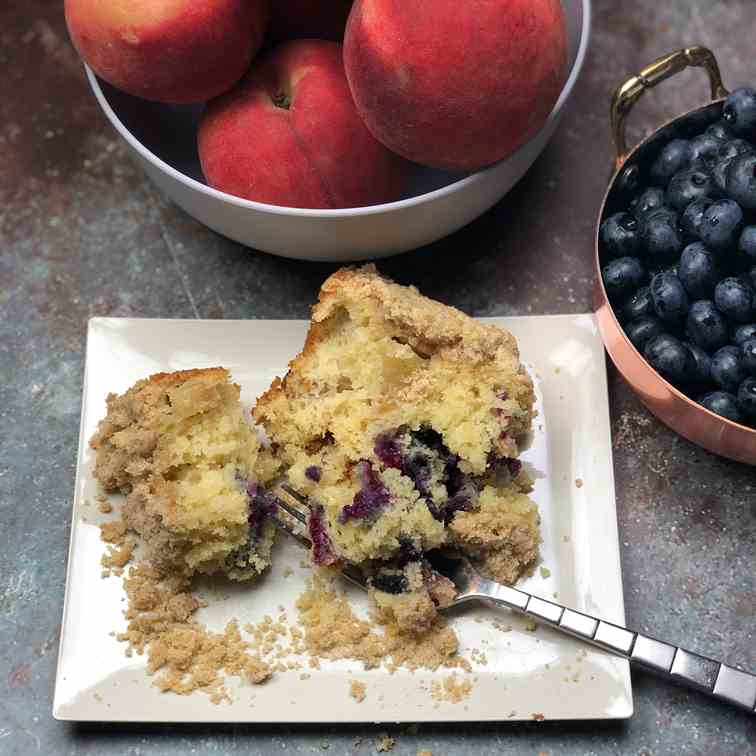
point(162, 139)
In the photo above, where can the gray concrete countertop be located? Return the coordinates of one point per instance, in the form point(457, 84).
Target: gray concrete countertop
point(83, 233)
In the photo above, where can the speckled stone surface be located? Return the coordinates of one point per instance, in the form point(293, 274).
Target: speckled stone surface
point(82, 233)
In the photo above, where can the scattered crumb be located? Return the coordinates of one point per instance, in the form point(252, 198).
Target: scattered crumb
point(566, 538)
point(545, 572)
point(579, 482)
point(425, 752)
point(501, 627)
point(118, 556)
point(357, 690)
point(103, 504)
point(113, 532)
point(538, 717)
point(530, 625)
point(287, 571)
point(97, 697)
point(187, 655)
point(450, 689)
point(385, 744)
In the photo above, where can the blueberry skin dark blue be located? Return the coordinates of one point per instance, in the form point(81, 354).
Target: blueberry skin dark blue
point(697, 271)
point(692, 217)
point(721, 224)
point(740, 181)
point(749, 356)
point(722, 403)
point(703, 148)
point(673, 157)
point(734, 147)
point(706, 327)
point(747, 243)
point(727, 369)
point(628, 180)
point(743, 333)
point(642, 330)
point(701, 375)
point(739, 112)
point(623, 276)
point(719, 130)
point(686, 186)
point(647, 201)
point(620, 236)
point(670, 299)
point(747, 398)
point(734, 299)
point(639, 304)
point(670, 358)
point(661, 236)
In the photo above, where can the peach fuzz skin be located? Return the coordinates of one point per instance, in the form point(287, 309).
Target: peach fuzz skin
point(455, 85)
point(288, 134)
point(176, 51)
point(305, 19)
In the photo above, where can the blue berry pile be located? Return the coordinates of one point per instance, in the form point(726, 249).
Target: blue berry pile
point(678, 254)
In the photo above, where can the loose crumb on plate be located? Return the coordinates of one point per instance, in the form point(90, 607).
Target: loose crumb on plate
point(385, 744)
point(451, 689)
point(113, 532)
point(425, 752)
point(545, 572)
point(103, 504)
point(357, 690)
point(579, 482)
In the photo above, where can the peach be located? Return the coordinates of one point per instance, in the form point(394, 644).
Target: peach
point(176, 51)
point(300, 19)
point(455, 85)
point(288, 134)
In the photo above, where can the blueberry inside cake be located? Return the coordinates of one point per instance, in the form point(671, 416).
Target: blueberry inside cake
point(400, 419)
point(193, 473)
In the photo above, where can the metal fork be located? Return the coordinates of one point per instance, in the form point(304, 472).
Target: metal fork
point(663, 659)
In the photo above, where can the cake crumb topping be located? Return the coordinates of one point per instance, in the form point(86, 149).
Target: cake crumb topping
point(357, 690)
point(451, 689)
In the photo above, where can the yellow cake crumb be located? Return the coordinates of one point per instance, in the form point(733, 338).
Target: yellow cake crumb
point(385, 744)
point(103, 504)
point(451, 689)
point(118, 556)
point(579, 482)
point(357, 690)
point(545, 572)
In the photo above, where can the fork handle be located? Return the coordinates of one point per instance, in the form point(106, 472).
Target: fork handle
point(672, 662)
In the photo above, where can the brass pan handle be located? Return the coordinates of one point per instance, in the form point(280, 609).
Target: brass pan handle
point(627, 94)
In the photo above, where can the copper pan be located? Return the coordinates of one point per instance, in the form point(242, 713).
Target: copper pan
point(671, 406)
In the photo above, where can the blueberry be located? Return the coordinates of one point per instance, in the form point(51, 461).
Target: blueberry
point(314, 473)
point(673, 157)
point(698, 271)
point(706, 327)
point(740, 182)
point(670, 300)
point(369, 499)
point(640, 304)
point(389, 582)
point(642, 330)
point(743, 333)
point(686, 186)
point(733, 299)
point(739, 112)
point(661, 236)
point(734, 147)
point(719, 173)
point(749, 356)
point(721, 224)
point(727, 369)
point(747, 398)
point(649, 200)
point(747, 243)
point(703, 149)
point(722, 403)
point(628, 180)
point(701, 375)
point(719, 130)
point(692, 217)
point(620, 236)
point(623, 276)
point(670, 358)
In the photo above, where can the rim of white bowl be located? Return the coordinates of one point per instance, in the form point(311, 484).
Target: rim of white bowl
point(346, 212)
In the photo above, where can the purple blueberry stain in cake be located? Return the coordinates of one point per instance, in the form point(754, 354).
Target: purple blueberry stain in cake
point(388, 448)
point(262, 504)
point(314, 473)
point(463, 493)
point(504, 469)
point(322, 548)
point(371, 497)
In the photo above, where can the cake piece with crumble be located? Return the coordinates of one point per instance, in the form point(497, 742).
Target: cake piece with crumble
point(192, 471)
point(400, 420)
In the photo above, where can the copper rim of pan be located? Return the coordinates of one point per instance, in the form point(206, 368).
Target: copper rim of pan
point(688, 411)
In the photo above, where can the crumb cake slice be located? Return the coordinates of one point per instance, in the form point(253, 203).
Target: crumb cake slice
point(178, 446)
point(400, 419)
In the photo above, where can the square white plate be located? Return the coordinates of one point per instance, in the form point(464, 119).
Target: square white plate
point(526, 673)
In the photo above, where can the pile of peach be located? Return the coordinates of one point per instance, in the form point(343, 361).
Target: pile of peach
point(294, 117)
